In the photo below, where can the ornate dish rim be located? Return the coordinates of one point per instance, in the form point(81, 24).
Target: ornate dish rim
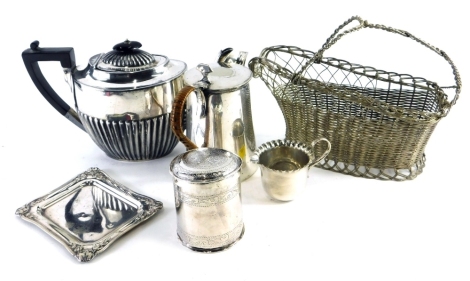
point(86, 251)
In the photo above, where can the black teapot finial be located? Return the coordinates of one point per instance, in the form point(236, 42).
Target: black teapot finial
point(127, 46)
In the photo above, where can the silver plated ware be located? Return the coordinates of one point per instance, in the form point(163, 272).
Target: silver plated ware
point(123, 98)
point(218, 114)
point(89, 212)
point(208, 199)
point(285, 166)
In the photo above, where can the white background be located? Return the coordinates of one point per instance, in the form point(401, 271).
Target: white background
point(341, 228)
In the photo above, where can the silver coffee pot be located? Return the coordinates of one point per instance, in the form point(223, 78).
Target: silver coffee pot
point(123, 98)
point(219, 114)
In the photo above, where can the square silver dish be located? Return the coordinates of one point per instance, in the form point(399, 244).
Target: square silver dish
point(89, 212)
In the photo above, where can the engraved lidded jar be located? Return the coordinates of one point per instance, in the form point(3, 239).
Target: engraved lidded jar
point(208, 198)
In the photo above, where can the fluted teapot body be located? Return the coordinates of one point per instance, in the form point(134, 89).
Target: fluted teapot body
point(123, 98)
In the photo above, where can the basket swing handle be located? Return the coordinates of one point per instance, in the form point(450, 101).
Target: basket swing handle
point(362, 24)
point(336, 36)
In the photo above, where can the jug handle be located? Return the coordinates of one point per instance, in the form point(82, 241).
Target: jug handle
point(66, 57)
point(327, 151)
point(176, 117)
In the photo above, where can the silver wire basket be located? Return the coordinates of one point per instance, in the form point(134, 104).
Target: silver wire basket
point(378, 122)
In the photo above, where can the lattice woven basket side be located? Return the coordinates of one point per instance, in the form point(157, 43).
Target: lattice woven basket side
point(378, 122)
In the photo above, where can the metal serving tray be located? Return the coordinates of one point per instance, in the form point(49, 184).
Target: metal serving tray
point(89, 212)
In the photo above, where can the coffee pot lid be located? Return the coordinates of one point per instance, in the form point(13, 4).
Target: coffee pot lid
point(205, 165)
point(227, 74)
point(127, 67)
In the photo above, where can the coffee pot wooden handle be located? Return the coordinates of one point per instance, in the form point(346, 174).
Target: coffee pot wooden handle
point(177, 117)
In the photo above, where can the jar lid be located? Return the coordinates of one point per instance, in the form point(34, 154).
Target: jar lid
point(205, 165)
point(227, 74)
point(127, 67)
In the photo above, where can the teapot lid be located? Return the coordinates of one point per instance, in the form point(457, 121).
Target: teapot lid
point(127, 67)
point(228, 74)
point(205, 165)
point(127, 57)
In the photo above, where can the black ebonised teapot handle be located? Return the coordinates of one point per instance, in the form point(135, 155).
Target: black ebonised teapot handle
point(66, 57)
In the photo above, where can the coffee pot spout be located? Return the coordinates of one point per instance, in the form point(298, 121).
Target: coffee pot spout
point(228, 57)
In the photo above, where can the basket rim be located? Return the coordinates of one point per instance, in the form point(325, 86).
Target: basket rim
point(351, 95)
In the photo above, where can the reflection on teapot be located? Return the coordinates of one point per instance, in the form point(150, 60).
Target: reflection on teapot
point(122, 98)
point(219, 114)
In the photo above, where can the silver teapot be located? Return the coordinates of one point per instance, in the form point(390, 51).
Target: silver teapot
point(123, 98)
point(219, 114)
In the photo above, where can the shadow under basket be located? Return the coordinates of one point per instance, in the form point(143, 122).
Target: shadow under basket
point(378, 122)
